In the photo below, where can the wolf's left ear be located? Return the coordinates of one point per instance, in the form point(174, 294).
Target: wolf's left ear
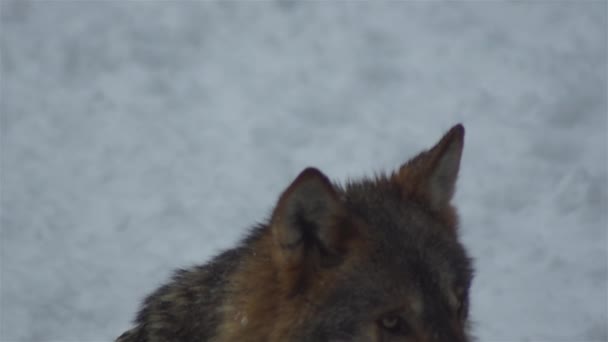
point(309, 227)
point(432, 174)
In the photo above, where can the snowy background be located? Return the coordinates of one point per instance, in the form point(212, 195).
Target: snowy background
point(138, 137)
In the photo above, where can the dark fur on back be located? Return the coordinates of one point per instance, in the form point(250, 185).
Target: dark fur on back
point(167, 313)
point(376, 260)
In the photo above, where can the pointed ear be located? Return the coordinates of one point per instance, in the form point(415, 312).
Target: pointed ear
point(309, 226)
point(432, 174)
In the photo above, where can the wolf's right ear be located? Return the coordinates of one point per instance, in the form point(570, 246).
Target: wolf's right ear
point(432, 174)
point(309, 226)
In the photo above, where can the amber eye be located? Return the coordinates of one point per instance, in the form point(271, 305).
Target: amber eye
point(461, 303)
point(394, 324)
point(390, 322)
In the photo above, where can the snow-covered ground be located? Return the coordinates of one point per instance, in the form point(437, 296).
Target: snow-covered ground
point(138, 137)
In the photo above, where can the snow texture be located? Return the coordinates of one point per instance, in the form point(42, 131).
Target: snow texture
point(138, 137)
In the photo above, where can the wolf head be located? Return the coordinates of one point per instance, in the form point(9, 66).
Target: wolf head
point(377, 259)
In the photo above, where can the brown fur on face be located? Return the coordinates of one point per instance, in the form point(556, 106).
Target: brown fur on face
point(375, 260)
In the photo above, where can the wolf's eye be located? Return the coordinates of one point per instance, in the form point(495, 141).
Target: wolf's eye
point(393, 324)
point(461, 303)
point(390, 322)
point(463, 309)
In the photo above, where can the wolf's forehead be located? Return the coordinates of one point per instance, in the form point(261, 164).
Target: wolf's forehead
point(374, 200)
point(385, 209)
point(397, 223)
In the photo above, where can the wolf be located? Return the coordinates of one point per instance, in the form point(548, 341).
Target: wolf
point(375, 259)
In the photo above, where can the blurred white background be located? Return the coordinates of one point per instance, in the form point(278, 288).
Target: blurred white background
point(138, 137)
